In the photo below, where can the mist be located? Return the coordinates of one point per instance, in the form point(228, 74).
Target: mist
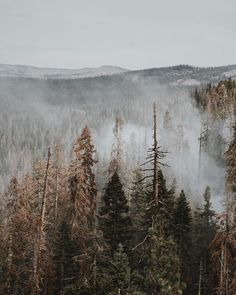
point(35, 114)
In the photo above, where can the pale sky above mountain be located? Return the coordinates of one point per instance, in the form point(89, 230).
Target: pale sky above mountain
point(129, 33)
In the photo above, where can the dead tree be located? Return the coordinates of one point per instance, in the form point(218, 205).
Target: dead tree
point(155, 155)
point(200, 278)
point(203, 146)
point(40, 241)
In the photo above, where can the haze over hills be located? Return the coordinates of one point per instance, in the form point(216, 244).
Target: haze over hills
point(180, 75)
point(186, 75)
point(54, 73)
point(48, 108)
point(117, 147)
point(40, 107)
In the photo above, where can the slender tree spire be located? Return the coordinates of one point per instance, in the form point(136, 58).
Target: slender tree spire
point(155, 179)
point(40, 242)
point(200, 278)
point(155, 155)
point(116, 153)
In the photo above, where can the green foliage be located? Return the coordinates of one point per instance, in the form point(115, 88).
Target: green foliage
point(116, 277)
point(204, 229)
point(183, 238)
point(65, 267)
point(162, 270)
point(138, 205)
point(149, 245)
point(115, 221)
point(164, 209)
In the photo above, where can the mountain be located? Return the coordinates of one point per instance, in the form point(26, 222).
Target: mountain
point(21, 71)
point(185, 75)
point(41, 107)
point(181, 75)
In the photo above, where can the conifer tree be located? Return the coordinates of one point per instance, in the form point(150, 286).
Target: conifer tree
point(182, 234)
point(204, 230)
point(138, 214)
point(20, 243)
point(230, 156)
point(162, 266)
point(138, 208)
point(116, 163)
point(42, 258)
point(116, 277)
point(223, 245)
point(77, 229)
point(82, 185)
point(66, 268)
point(115, 221)
point(3, 255)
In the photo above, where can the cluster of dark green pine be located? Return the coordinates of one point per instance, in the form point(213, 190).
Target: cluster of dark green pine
point(154, 248)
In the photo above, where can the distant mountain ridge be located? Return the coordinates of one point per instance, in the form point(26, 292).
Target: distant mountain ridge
point(186, 75)
point(180, 75)
point(22, 71)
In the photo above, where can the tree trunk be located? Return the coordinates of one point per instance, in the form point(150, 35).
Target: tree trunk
point(40, 241)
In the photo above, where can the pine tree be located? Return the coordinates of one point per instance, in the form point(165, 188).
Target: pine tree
point(59, 181)
point(116, 277)
point(20, 243)
point(182, 234)
point(163, 268)
point(42, 257)
point(161, 262)
point(115, 221)
point(116, 163)
point(204, 230)
point(82, 185)
point(231, 161)
point(77, 230)
point(167, 121)
point(138, 208)
point(163, 265)
point(165, 207)
point(67, 269)
point(138, 203)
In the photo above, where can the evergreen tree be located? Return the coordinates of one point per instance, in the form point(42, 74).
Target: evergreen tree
point(116, 163)
point(116, 277)
point(182, 234)
point(162, 271)
point(163, 265)
point(165, 207)
point(230, 156)
point(138, 213)
point(66, 267)
point(204, 230)
point(115, 221)
point(138, 204)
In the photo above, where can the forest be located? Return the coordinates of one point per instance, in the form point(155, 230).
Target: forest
point(153, 212)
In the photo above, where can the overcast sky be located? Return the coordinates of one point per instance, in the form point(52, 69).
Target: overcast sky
point(128, 33)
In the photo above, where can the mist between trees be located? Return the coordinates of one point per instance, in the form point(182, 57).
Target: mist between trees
point(36, 114)
point(132, 215)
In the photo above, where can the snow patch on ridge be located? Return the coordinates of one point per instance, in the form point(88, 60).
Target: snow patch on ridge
point(187, 82)
point(231, 73)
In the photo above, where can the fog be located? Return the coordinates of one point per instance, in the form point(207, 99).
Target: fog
point(36, 114)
